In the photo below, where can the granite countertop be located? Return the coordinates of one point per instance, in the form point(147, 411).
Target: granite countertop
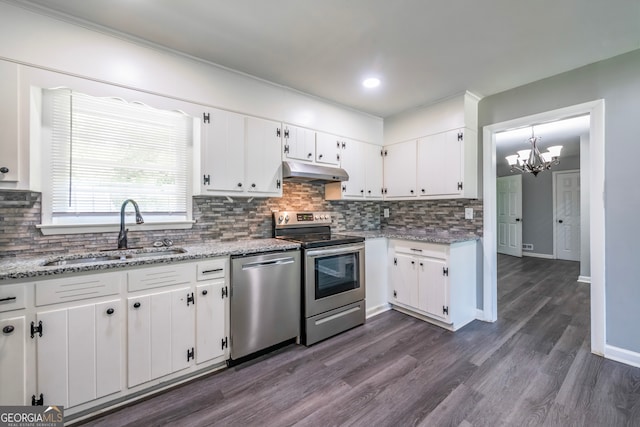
point(23, 268)
point(421, 235)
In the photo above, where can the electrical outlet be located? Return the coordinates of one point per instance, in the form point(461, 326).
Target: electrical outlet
point(386, 212)
point(468, 213)
point(527, 246)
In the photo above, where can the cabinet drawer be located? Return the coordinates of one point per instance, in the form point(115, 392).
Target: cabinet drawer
point(74, 288)
point(212, 269)
point(432, 250)
point(156, 277)
point(12, 297)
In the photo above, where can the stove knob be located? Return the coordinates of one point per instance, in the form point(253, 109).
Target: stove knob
point(324, 217)
point(328, 217)
point(317, 217)
point(281, 218)
point(286, 218)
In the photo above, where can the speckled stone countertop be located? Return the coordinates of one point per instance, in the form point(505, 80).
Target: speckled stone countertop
point(429, 236)
point(24, 268)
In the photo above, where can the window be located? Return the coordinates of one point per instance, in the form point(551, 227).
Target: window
point(102, 151)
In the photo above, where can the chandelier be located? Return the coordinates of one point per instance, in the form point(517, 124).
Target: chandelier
point(532, 160)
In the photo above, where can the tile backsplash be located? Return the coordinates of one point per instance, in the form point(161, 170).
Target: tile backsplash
point(218, 218)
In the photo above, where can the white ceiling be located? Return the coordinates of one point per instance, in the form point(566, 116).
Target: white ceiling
point(422, 50)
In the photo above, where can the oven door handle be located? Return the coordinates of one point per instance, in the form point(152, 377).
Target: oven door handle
point(325, 252)
point(268, 263)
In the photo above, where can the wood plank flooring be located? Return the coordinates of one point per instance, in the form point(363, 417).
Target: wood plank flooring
point(533, 367)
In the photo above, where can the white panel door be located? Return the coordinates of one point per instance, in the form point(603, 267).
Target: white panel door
point(12, 361)
point(400, 170)
point(223, 151)
point(509, 213)
point(299, 143)
point(263, 157)
point(138, 340)
point(352, 160)
point(51, 358)
point(210, 321)
point(9, 138)
point(182, 328)
point(82, 354)
point(403, 280)
point(161, 345)
point(433, 287)
point(567, 208)
point(373, 170)
point(439, 164)
point(109, 318)
point(328, 149)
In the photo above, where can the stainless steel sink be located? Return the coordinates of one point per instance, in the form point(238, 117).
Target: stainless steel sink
point(122, 255)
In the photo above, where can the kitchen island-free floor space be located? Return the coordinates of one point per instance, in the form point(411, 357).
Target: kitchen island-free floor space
point(532, 367)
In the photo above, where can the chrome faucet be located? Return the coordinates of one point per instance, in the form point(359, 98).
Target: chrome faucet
point(122, 237)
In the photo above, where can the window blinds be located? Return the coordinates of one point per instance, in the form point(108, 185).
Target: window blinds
point(105, 150)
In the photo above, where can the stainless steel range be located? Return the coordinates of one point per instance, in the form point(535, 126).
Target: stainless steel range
point(333, 282)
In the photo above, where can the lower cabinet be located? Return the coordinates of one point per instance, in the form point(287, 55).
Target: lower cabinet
point(85, 340)
point(436, 282)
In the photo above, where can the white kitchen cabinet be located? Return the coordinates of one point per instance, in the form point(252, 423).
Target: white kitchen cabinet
point(160, 334)
point(212, 308)
point(13, 352)
point(363, 163)
point(9, 135)
point(298, 143)
point(447, 164)
point(78, 353)
point(328, 149)
point(400, 170)
point(434, 282)
point(263, 157)
point(223, 152)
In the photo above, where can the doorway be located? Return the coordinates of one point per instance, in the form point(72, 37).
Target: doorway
point(595, 173)
point(566, 202)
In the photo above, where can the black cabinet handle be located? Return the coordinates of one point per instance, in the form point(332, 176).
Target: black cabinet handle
point(110, 310)
point(9, 328)
point(4, 169)
point(204, 292)
point(7, 299)
point(136, 305)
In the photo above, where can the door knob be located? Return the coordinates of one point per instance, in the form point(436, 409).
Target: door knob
point(517, 219)
point(560, 221)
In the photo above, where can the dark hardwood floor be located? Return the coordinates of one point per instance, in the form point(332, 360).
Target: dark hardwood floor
point(532, 367)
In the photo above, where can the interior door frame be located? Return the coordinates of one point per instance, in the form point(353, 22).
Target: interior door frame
point(596, 211)
point(554, 180)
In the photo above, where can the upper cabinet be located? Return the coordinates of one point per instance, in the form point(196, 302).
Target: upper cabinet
point(328, 149)
point(240, 155)
point(432, 153)
point(363, 163)
point(298, 143)
point(9, 142)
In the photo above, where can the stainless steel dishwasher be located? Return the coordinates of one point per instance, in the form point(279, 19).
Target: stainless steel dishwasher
point(265, 301)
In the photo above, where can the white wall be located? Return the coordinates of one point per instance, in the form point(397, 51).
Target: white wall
point(33, 39)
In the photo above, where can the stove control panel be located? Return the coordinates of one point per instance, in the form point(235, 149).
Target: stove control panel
point(302, 219)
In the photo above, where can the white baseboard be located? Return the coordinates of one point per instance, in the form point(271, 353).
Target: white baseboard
point(584, 279)
point(535, 255)
point(374, 311)
point(621, 355)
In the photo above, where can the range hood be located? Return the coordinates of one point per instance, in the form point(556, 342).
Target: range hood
point(308, 172)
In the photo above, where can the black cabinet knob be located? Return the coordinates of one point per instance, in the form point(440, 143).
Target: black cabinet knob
point(110, 311)
point(411, 191)
point(362, 191)
point(136, 305)
point(239, 184)
point(9, 328)
point(423, 190)
point(204, 292)
point(253, 186)
point(4, 169)
point(310, 154)
point(517, 219)
point(320, 156)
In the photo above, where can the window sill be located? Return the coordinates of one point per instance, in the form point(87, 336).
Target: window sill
point(52, 229)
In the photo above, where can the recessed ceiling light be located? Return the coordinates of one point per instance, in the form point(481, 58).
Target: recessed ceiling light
point(371, 82)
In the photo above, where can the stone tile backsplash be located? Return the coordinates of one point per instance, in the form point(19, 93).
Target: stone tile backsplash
point(218, 218)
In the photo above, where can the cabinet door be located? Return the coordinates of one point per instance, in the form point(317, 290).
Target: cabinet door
point(440, 164)
point(138, 340)
point(9, 142)
point(210, 320)
point(12, 361)
point(299, 143)
point(328, 149)
point(400, 170)
point(403, 277)
point(263, 156)
point(372, 155)
point(433, 287)
point(109, 323)
point(81, 354)
point(52, 357)
point(182, 337)
point(352, 160)
point(223, 151)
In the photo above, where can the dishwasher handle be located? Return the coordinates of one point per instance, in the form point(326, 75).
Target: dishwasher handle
point(268, 263)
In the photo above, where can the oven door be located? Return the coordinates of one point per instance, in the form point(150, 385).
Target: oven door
point(334, 277)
